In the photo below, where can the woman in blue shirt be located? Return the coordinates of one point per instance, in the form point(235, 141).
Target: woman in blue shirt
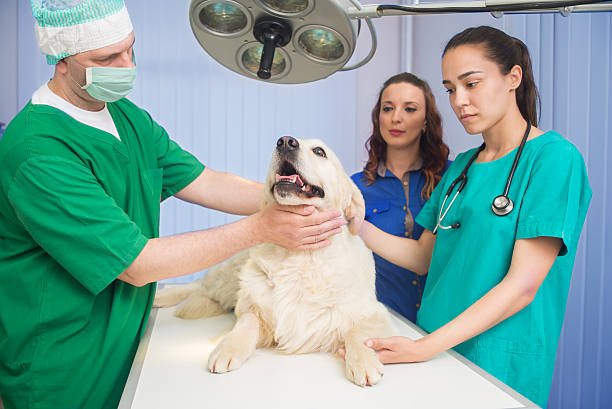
point(406, 157)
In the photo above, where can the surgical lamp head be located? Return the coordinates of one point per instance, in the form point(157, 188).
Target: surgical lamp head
point(283, 41)
point(297, 41)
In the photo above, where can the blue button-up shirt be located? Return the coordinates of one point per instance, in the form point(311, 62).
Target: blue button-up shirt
point(392, 204)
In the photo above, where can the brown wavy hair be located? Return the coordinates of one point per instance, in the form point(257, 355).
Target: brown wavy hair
point(432, 149)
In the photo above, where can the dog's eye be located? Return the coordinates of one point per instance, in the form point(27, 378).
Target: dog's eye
point(319, 151)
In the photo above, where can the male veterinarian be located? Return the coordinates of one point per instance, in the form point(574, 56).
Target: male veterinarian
point(83, 171)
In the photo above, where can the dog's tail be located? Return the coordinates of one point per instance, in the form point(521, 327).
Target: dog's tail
point(215, 294)
point(174, 294)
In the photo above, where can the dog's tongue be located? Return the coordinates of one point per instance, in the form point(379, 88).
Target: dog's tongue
point(293, 179)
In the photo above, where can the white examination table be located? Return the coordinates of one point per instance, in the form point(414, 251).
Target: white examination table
point(169, 372)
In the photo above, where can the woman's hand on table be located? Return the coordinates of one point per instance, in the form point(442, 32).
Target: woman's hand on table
point(400, 349)
point(394, 350)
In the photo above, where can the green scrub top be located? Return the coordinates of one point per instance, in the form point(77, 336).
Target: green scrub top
point(77, 206)
point(551, 195)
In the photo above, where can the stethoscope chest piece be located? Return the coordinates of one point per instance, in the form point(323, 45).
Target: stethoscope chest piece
point(502, 205)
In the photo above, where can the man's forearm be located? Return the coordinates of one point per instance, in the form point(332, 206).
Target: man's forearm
point(188, 253)
point(224, 192)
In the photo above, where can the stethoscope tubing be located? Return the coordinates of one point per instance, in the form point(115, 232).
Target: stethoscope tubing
point(462, 180)
point(442, 216)
point(516, 158)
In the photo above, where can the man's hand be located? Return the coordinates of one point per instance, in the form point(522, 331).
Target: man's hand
point(298, 227)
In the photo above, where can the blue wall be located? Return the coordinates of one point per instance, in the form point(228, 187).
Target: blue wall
point(231, 122)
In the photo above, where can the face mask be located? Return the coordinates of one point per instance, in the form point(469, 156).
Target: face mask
point(109, 84)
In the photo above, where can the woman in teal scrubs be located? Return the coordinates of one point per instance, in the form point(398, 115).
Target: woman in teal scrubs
point(497, 285)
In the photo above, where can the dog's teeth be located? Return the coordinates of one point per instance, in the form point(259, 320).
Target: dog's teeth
point(306, 188)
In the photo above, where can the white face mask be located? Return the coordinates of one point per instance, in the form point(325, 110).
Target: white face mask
point(108, 84)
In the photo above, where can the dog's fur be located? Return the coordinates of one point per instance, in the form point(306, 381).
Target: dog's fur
point(293, 300)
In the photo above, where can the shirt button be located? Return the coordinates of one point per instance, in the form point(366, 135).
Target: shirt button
point(374, 211)
point(406, 234)
point(405, 183)
point(414, 282)
point(404, 208)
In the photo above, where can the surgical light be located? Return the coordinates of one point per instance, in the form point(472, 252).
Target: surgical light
point(321, 43)
point(250, 57)
point(222, 18)
point(297, 41)
point(287, 7)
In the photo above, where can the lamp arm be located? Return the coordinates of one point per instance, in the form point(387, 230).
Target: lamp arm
point(372, 49)
point(373, 37)
point(494, 6)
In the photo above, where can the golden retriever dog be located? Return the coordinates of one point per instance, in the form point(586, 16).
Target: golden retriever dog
point(294, 300)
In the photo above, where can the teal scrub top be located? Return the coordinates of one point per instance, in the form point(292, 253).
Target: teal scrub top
point(551, 195)
point(77, 206)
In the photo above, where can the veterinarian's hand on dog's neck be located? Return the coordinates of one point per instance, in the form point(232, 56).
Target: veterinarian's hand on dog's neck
point(298, 227)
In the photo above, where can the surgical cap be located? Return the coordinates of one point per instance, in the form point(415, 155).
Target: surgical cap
point(68, 27)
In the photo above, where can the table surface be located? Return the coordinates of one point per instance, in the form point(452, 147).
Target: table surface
point(170, 371)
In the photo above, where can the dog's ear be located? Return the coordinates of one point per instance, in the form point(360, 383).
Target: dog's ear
point(264, 201)
point(267, 198)
point(354, 211)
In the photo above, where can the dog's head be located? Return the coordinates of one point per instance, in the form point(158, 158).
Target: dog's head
point(306, 171)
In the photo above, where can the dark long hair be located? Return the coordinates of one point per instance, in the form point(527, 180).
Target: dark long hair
point(432, 149)
point(506, 52)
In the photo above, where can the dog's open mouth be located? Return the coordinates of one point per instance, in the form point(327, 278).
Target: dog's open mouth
point(289, 181)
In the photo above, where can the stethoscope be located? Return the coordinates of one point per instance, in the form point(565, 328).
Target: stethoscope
point(501, 206)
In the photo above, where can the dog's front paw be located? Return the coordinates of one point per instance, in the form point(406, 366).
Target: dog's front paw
point(227, 357)
point(363, 367)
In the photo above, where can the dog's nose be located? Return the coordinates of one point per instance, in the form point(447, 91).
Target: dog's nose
point(287, 144)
